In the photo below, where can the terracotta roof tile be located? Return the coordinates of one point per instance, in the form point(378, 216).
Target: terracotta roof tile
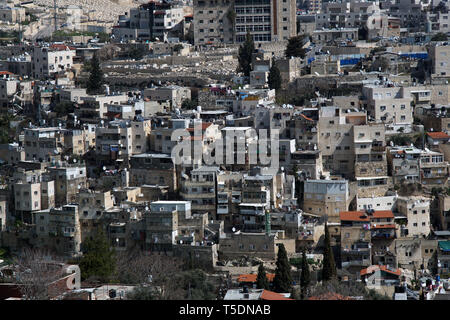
point(270, 295)
point(372, 269)
point(438, 135)
point(361, 216)
point(253, 277)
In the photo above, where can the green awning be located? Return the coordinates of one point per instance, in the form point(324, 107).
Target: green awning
point(444, 246)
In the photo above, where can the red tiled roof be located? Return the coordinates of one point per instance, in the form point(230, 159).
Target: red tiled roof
point(360, 216)
point(330, 296)
point(353, 216)
point(6, 72)
point(61, 47)
point(374, 268)
point(253, 277)
point(270, 295)
point(438, 135)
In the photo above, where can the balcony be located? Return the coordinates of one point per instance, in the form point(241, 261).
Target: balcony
point(222, 209)
point(68, 234)
point(222, 198)
point(383, 235)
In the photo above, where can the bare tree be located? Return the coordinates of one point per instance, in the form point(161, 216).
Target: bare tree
point(36, 270)
point(157, 271)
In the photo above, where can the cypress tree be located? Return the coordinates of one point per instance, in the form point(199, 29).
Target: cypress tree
point(305, 275)
point(295, 48)
point(329, 267)
point(245, 55)
point(98, 258)
point(274, 77)
point(283, 279)
point(95, 81)
point(261, 280)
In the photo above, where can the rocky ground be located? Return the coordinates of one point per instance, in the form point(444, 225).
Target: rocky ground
point(106, 10)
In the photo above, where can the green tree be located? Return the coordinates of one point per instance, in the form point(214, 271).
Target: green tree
point(98, 259)
point(261, 279)
point(142, 292)
point(283, 278)
point(197, 286)
point(189, 104)
point(6, 133)
point(274, 77)
point(295, 48)
point(439, 37)
point(305, 277)
point(63, 108)
point(245, 55)
point(329, 266)
point(95, 81)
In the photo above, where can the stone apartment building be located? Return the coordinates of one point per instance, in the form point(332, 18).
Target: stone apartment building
point(153, 169)
point(174, 94)
point(43, 144)
point(355, 247)
point(443, 258)
point(443, 212)
point(369, 148)
point(433, 169)
point(152, 20)
point(337, 35)
point(92, 108)
point(12, 14)
point(217, 22)
point(410, 12)
point(32, 191)
point(409, 164)
point(48, 61)
point(440, 54)
point(382, 229)
point(58, 229)
point(326, 198)
point(403, 164)
point(74, 141)
point(417, 212)
point(9, 86)
point(335, 138)
point(122, 138)
point(201, 190)
point(389, 104)
point(69, 180)
point(415, 253)
point(229, 196)
point(435, 118)
point(161, 229)
point(177, 222)
point(256, 245)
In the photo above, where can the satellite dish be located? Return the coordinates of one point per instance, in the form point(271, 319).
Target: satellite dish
point(233, 229)
point(104, 168)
